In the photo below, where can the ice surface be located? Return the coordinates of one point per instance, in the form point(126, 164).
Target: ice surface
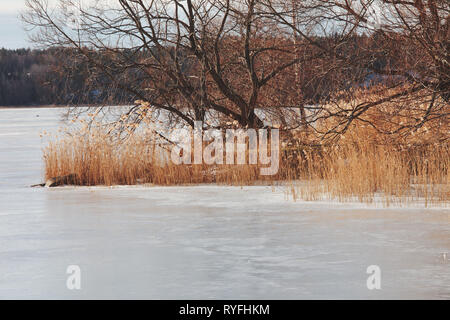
point(201, 241)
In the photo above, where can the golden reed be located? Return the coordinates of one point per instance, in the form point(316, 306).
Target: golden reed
point(361, 166)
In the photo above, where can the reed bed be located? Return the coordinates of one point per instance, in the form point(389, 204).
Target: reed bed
point(367, 172)
point(361, 166)
point(99, 157)
point(354, 170)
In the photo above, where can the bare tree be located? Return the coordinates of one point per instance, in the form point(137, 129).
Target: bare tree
point(225, 59)
point(411, 48)
point(186, 57)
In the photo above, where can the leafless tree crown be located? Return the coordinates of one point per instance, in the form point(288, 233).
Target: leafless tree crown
point(299, 61)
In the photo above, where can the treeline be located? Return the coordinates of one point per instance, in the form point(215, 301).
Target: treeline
point(64, 76)
point(53, 76)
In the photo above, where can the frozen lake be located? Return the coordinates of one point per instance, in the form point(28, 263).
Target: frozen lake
point(201, 242)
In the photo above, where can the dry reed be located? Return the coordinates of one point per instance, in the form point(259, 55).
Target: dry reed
point(362, 166)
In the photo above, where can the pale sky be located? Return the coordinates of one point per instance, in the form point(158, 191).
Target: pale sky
point(12, 34)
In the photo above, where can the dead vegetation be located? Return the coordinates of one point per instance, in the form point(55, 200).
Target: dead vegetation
point(362, 164)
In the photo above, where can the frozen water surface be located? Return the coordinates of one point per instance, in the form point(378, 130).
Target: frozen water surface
point(201, 242)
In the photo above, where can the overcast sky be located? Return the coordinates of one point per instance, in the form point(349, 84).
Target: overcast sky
point(12, 35)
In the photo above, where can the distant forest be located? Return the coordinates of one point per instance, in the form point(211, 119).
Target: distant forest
point(53, 76)
point(64, 76)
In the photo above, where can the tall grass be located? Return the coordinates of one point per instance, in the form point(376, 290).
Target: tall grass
point(353, 170)
point(361, 166)
point(99, 157)
point(367, 171)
